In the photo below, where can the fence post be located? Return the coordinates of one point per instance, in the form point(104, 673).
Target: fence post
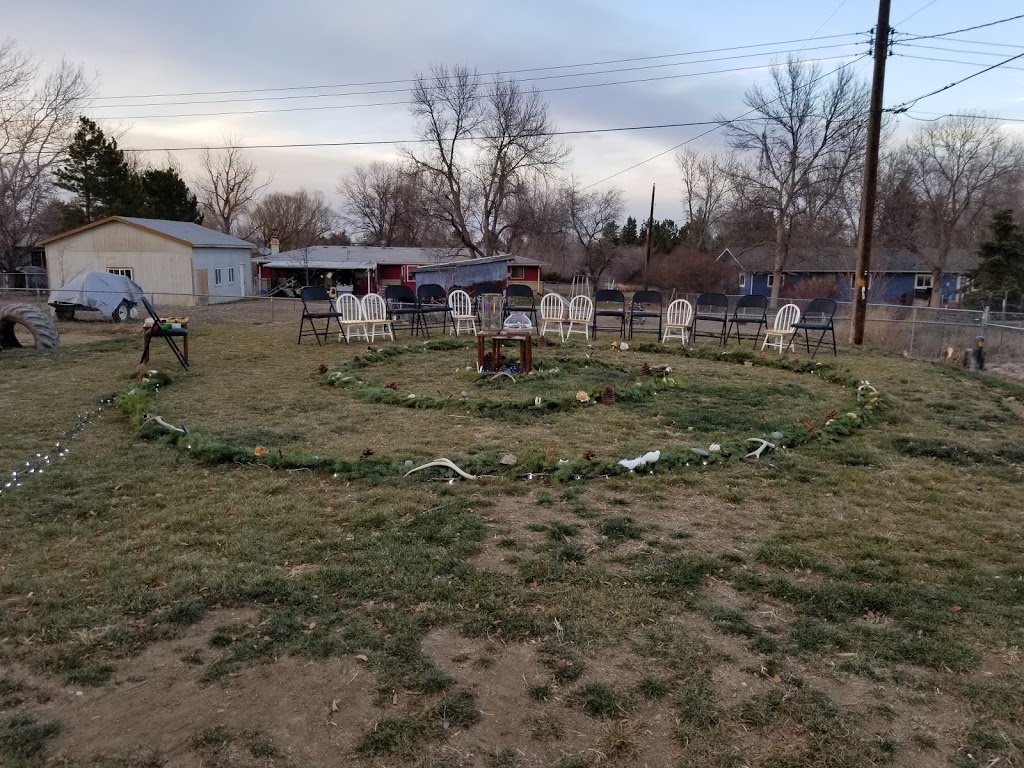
point(913, 328)
point(984, 318)
point(271, 309)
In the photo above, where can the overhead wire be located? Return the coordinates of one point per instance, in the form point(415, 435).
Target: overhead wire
point(953, 61)
point(908, 18)
point(965, 29)
point(907, 104)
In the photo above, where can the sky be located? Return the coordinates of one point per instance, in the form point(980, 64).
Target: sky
point(136, 51)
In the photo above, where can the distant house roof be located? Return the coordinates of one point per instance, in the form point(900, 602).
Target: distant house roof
point(761, 259)
point(185, 232)
point(519, 261)
point(372, 256)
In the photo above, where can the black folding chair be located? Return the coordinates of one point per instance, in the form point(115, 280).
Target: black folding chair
point(818, 316)
point(402, 302)
point(520, 298)
point(482, 288)
point(645, 304)
point(750, 309)
point(711, 308)
point(169, 334)
point(317, 305)
point(433, 298)
point(606, 297)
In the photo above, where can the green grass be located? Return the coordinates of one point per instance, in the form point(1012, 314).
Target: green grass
point(888, 554)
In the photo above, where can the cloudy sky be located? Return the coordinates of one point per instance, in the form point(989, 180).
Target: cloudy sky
point(329, 60)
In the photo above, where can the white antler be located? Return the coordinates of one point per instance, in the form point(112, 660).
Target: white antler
point(756, 453)
point(147, 417)
point(448, 463)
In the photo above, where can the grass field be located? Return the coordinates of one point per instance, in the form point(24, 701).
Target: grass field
point(849, 601)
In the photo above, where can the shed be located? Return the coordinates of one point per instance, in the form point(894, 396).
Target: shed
point(176, 262)
point(464, 273)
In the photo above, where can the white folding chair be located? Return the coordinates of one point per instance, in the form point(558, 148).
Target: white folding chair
point(552, 312)
point(678, 320)
point(353, 322)
point(780, 336)
point(375, 312)
point(463, 316)
point(581, 315)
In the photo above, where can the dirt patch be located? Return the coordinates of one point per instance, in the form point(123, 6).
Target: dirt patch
point(157, 704)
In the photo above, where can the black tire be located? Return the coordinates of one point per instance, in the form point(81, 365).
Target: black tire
point(37, 321)
point(64, 313)
point(121, 313)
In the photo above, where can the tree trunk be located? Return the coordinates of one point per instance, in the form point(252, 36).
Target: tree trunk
point(780, 262)
point(936, 297)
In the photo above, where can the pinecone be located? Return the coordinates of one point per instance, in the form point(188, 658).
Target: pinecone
point(367, 453)
point(607, 395)
point(323, 369)
point(589, 455)
point(645, 369)
point(542, 341)
point(391, 385)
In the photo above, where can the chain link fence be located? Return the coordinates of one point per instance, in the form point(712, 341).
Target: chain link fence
point(921, 332)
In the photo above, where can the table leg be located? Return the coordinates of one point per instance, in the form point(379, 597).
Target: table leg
point(480, 353)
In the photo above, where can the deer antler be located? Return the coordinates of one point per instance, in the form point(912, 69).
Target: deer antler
point(756, 453)
point(447, 463)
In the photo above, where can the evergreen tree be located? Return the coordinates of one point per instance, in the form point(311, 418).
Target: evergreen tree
point(167, 196)
point(665, 236)
point(100, 178)
point(629, 233)
point(1000, 271)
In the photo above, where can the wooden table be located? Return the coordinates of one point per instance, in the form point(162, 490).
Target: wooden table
point(524, 339)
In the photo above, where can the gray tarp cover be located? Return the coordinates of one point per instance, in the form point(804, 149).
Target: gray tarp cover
point(98, 290)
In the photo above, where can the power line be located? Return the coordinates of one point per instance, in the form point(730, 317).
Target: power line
point(942, 115)
point(967, 29)
point(826, 21)
point(959, 50)
point(486, 74)
point(952, 61)
point(404, 103)
point(907, 104)
point(712, 130)
point(977, 42)
point(527, 79)
point(923, 7)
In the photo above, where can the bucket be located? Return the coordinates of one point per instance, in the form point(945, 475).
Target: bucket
point(489, 305)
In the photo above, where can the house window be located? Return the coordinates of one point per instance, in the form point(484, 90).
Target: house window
point(923, 282)
point(218, 278)
point(517, 273)
point(743, 279)
point(231, 275)
point(125, 271)
point(38, 259)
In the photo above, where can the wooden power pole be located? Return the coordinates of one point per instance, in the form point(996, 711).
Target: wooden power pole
point(870, 183)
point(650, 230)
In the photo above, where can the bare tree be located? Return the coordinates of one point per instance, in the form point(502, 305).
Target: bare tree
point(952, 174)
point(297, 219)
point(808, 137)
point(592, 217)
point(379, 202)
point(483, 144)
point(706, 194)
point(229, 183)
point(37, 122)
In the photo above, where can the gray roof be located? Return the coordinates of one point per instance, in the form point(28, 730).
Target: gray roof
point(831, 259)
point(194, 234)
point(371, 256)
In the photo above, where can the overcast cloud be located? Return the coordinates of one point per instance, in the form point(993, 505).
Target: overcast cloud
point(141, 48)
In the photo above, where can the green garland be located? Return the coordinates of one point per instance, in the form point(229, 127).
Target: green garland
point(205, 448)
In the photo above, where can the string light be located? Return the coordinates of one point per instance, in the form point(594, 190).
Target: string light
point(41, 461)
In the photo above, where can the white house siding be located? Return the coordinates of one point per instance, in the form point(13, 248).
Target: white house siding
point(226, 260)
point(162, 266)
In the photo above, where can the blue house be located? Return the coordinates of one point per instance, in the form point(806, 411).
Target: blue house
point(898, 275)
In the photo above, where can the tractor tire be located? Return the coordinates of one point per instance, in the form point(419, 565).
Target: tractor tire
point(38, 323)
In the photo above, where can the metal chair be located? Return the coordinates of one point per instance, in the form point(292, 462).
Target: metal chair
point(645, 304)
point(750, 309)
point(401, 301)
point(607, 296)
point(482, 288)
point(581, 313)
point(553, 311)
point(169, 334)
point(314, 298)
point(520, 298)
point(818, 316)
point(711, 308)
point(463, 316)
point(433, 299)
point(680, 317)
point(780, 336)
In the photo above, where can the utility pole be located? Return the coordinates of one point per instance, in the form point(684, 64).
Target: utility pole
point(870, 182)
point(650, 229)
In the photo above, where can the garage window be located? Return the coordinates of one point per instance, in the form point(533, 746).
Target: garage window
point(517, 273)
point(218, 277)
point(231, 275)
point(125, 271)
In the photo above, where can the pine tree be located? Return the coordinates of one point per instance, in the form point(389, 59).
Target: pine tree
point(629, 233)
point(167, 196)
point(1000, 271)
point(100, 178)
